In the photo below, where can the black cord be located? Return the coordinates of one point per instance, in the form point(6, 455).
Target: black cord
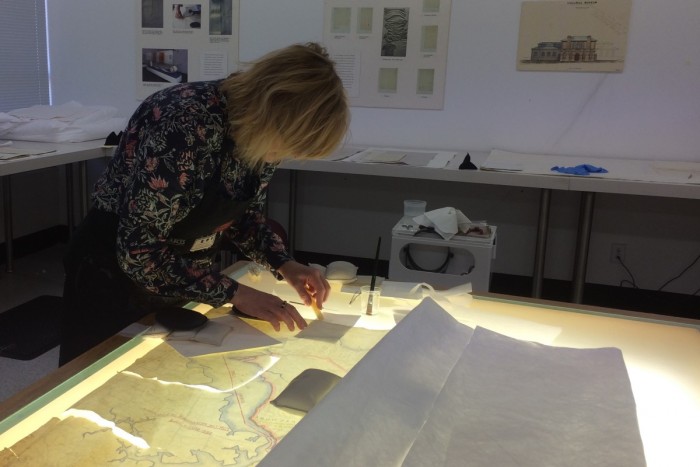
point(633, 282)
point(682, 272)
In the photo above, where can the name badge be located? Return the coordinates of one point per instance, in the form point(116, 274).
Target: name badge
point(203, 243)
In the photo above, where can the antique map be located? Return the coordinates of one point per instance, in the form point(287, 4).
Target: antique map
point(166, 409)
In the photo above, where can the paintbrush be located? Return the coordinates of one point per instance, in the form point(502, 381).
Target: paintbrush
point(372, 283)
point(314, 304)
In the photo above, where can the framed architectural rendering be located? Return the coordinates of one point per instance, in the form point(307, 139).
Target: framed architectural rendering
point(581, 35)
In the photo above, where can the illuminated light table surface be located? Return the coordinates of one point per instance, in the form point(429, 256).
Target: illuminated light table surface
point(171, 409)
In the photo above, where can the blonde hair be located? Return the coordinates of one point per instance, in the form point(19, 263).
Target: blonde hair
point(291, 97)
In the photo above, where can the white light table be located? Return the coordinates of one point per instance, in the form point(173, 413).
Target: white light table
point(143, 398)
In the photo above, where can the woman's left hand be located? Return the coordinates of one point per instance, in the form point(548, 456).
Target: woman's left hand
point(307, 281)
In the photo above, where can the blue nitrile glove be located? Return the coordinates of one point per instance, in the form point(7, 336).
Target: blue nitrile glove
point(583, 169)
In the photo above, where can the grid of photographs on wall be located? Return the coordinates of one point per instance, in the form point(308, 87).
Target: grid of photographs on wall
point(182, 42)
point(390, 54)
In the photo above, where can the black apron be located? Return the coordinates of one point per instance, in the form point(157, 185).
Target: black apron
point(199, 235)
point(100, 299)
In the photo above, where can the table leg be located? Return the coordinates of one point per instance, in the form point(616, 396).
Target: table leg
point(291, 221)
point(585, 221)
point(541, 242)
point(84, 190)
point(69, 199)
point(7, 197)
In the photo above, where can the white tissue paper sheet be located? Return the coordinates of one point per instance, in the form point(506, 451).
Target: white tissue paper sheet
point(376, 411)
point(436, 392)
point(67, 123)
point(459, 295)
point(446, 221)
point(514, 403)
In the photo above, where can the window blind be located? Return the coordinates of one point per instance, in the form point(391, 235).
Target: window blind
point(24, 70)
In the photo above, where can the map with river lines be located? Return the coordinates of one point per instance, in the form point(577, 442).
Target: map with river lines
point(213, 410)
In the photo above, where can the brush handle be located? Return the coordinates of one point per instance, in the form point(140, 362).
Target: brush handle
point(376, 265)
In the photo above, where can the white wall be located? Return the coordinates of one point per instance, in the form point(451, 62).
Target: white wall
point(649, 111)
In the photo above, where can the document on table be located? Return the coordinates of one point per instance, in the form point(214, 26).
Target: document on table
point(431, 159)
point(350, 425)
point(508, 399)
point(681, 172)
point(241, 336)
point(542, 164)
point(453, 393)
point(343, 153)
point(10, 152)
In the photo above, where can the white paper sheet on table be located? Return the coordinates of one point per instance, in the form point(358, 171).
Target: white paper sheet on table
point(618, 169)
point(515, 403)
point(432, 159)
point(373, 415)
point(434, 392)
point(242, 336)
point(10, 152)
point(350, 316)
point(343, 153)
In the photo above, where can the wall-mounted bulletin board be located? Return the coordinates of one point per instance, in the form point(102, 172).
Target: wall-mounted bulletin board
point(389, 53)
point(480, 99)
point(182, 42)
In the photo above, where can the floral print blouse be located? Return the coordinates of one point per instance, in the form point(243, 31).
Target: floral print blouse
point(174, 148)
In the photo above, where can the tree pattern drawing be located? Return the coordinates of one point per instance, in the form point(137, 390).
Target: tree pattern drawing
point(395, 32)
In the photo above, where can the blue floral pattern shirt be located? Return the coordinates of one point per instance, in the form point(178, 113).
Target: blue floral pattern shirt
point(174, 147)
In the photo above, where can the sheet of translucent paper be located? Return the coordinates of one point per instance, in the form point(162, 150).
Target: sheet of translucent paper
point(436, 392)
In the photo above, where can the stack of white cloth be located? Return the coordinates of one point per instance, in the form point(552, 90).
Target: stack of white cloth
point(67, 123)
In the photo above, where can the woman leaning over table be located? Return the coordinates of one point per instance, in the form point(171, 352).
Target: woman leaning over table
point(190, 175)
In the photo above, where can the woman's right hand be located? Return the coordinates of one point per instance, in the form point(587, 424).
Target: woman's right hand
point(261, 305)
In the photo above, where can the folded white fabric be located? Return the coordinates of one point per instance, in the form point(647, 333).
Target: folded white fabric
point(67, 123)
point(446, 221)
point(459, 295)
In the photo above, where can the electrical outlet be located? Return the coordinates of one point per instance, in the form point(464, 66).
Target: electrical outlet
point(617, 252)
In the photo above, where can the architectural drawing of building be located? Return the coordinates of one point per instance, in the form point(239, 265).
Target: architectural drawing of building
point(571, 49)
point(546, 52)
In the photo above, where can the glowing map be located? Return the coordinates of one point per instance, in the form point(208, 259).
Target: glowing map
point(166, 409)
